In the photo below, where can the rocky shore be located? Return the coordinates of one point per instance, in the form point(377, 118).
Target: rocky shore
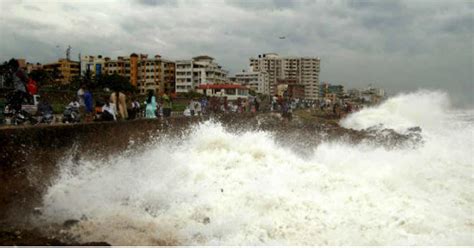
point(29, 156)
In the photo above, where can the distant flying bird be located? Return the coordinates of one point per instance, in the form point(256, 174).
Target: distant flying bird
point(282, 37)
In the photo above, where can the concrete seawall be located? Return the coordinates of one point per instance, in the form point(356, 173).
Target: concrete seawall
point(29, 155)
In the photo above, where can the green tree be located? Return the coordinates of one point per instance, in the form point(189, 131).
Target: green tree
point(6, 74)
point(41, 77)
point(114, 82)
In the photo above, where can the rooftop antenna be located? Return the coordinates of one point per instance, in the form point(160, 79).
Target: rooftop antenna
point(68, 52)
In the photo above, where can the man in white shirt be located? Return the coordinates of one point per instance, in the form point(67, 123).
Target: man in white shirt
point(80, 95)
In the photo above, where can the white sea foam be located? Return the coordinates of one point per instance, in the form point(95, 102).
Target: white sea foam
point(217, 187)
point(422, 108)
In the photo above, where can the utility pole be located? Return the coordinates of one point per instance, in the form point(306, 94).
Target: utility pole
point(80, 64)
point(68, 53)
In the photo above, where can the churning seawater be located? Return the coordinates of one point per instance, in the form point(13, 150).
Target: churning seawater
point(218, 187)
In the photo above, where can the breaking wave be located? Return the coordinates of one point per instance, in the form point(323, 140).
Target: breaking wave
point(215, 187)
point(426, 109)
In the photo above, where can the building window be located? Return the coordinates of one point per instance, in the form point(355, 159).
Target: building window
point(230, 91)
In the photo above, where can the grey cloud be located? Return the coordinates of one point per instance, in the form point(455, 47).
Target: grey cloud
point(22, 25)
point(384, 21)
point(32, 7)
point(398, 45)
point(69, 7)
point(15, 45)
point(382, 15)
point(265, 4)
point(158, 2)
point(378, 6)
point(459, 24)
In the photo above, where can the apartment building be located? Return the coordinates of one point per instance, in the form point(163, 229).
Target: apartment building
point(63, 71)
point(369, 95)
point(30, 67)
point(305, 70)
point(155, 74)
point(256, 81)
point(92, 64)
point(198, 71)
point(327, 88)
point(169, 74)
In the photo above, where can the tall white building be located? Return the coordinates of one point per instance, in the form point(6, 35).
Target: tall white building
point(257, 81)
point(305, 70)
point(197, 71)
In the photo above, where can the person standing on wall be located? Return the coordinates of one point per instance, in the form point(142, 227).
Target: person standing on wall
point(150, 111)
point(80, 95)
point(88, 104)
point(120, 101)
point(19, 83)
point(32, 87)
point(166, 104)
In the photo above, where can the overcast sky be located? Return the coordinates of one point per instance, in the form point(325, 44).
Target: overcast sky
point(397, 45)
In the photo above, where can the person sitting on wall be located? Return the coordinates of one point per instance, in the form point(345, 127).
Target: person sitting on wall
point(108, 111)
point(134, 110)
point(197, 107)
point(44, 111)
point(191, 107)
point(98, 110)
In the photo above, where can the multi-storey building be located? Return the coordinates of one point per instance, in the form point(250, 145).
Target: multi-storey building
point(292, 88)
point(197, 71)
point(367, 95)
point(155, 74)
point(30, 67)
point(256, 81)
point(22, 63)
point(92, 64)
point(168, 79)
point(63, 71)
point(303, 69)
point(327, 88)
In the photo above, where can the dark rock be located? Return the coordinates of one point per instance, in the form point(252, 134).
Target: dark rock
point(414, 129)
point(95, 244)
point(70, 223)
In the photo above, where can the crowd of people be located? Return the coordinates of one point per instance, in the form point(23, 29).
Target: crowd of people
point(206, 105)
point(24, 90)
point(119, 106)
point(24, 87)
point(122, 106)
point(339, 107)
